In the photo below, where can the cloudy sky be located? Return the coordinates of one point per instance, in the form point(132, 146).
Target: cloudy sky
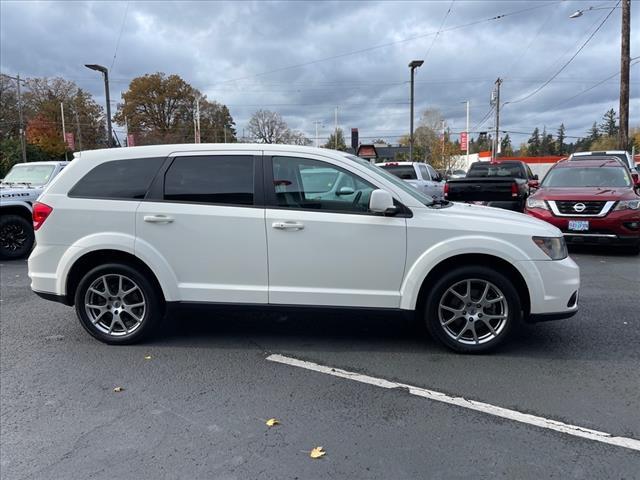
point(303, 59)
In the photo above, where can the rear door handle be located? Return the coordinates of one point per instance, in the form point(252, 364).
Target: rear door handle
point(158, 219)
point(288, 225)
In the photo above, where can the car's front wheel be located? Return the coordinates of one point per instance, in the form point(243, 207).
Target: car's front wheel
point(117, 304)
point(16, 237)
point(472, 309)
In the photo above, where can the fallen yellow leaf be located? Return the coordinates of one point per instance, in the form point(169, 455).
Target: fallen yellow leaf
point(317, 452)
point(272, 422)
point(118, 389)
point(147, 357)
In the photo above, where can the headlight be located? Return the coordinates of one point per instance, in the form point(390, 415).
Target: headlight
point(554, 247)
point(534, 203)
point(628, 205)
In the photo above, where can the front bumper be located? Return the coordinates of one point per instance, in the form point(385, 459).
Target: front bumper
point(614, 229)
point(553, 287)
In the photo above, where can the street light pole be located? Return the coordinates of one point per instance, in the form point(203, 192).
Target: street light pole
point(413, 65)
point(105, 74)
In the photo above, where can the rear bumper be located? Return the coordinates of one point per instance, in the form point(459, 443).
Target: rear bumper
point(52, 297)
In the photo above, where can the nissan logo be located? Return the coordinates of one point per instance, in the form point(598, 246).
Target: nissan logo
point(579, 207)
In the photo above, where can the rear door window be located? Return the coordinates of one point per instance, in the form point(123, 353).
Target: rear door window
point(423, 171)
point(118, 179)
point(217, 179)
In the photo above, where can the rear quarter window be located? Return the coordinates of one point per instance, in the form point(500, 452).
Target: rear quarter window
point(118, 179)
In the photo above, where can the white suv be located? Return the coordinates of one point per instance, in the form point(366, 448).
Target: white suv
point(123, 234)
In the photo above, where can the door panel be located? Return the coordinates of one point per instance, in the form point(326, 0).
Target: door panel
point(330, 251)
point(218, 252)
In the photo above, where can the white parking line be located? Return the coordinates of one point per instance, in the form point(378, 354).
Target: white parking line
point(514, 415)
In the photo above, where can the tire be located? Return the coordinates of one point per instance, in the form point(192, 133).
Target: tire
point(129, 311)
point(16, 237)
point(450, 314)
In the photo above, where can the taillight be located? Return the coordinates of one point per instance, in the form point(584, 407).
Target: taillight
point(514, 189)
point(446, 190)
point(40, 213)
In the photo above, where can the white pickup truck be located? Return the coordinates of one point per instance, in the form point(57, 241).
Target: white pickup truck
point(18, 190)
point(421, 176)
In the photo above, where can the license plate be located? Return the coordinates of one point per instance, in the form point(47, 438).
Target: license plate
point(578, 225)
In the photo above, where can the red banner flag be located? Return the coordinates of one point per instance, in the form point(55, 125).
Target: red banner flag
point(463, 141)
point(70, 140)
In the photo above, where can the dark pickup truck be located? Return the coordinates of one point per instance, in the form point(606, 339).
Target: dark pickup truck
point(503, 184)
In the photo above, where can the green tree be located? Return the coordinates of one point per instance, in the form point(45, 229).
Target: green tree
point(11, 153)
point(9, 118)
point(533, 144)
point(608, 127)
point(547, 144)
point(506, 147)
point(560, 136)
point(336, 141)
point(216, 123)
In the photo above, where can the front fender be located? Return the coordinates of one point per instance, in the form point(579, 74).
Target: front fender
point(471, 244)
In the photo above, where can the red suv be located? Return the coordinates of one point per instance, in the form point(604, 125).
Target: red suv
point(591, 202)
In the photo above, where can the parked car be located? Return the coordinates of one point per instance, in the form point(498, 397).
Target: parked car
point(421, 175)
point(591, 202)
point(622, 155)
point(502, 184)
point(22, 185)
point(128, 234)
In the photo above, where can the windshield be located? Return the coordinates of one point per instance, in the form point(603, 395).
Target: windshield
point(31, 174)
point(495, 170)
point(405, 187)
point(587, 177)
point(405, 172)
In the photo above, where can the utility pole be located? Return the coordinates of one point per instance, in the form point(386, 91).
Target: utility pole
point(497, 105)
point(467, 142)
point(78, 132)
point(105, 75)
point(335, 134)
point(197, 122)
point(625, 58)
point(316, 123)
point(64, 135)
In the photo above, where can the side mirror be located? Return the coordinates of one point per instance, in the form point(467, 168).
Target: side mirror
point(535, 177)
point(636, 179)
point(534, 183)
point(381, 201)
point(345, 191)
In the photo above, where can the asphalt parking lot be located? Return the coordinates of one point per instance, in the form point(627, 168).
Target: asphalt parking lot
point(197, 407)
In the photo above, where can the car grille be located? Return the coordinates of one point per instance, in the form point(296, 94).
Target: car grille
point(590, 208)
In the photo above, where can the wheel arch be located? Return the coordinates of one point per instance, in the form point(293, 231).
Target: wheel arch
point(21, 209)
point(94, 258)
point(485, 260)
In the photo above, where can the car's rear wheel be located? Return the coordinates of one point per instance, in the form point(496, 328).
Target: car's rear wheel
point(117, 304)
point(472, 309)
point(16, 237)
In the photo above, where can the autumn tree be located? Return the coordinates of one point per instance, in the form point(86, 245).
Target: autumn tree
point(44, 134)
point(336, 141)
point(84, 117)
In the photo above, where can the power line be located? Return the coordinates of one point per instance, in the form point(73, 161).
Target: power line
point(444, 19)
point(388, 44)
point(124, 19)
point(568, 61)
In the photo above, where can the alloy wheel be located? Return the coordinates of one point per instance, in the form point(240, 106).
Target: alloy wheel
point(13, 237)
point(473, 311)
point(115, 305)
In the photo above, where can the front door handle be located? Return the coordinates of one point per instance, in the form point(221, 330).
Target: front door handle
point(288, 225)
point(158, 219)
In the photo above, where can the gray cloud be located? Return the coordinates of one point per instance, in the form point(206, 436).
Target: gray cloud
point(224, 49)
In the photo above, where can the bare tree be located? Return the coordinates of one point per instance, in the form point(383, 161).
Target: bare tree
point(294, 137)
point(268, 127)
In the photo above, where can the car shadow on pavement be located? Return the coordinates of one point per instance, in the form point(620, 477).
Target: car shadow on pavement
point(602, 250)
point(332, 332)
